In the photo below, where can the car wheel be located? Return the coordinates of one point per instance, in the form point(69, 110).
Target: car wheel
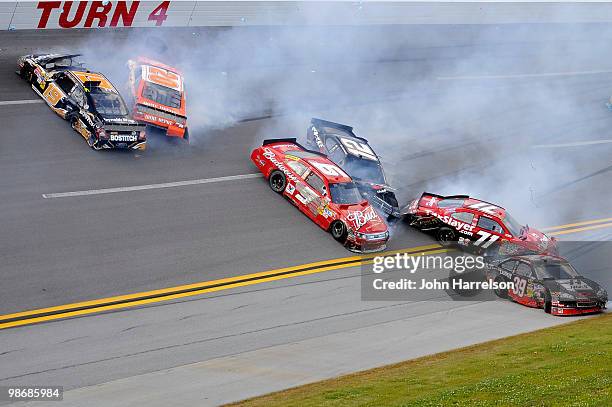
point(500, 292)
point(186, 136)
point(338, 231)
point(446, 236)
point(547, 303)
point(277, 181)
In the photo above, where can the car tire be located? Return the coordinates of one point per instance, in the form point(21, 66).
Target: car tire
point(501, 293)
point(446, 236)
point(338, 231)
point(186, 136)
point(277, 181)
point(547, 303)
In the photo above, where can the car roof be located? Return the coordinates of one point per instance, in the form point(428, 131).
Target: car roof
point(485, 207)
point(84, 76)
point(540, 258)
point(173, 79)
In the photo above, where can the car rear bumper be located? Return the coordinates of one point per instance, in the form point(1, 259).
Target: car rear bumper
point(163, 121)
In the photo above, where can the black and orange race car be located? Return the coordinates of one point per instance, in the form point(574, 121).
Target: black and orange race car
point(158, 96)
point(548, 282)
point(88, 100)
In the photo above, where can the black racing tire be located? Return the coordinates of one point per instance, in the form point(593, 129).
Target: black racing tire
point(277, 181)
point(547, 303)
point(446, 236)
point(501, 293)
point(186, 136)
point(338, 231)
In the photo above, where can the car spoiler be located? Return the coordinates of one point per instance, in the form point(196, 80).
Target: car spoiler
point(320, 123)
point(292, 141)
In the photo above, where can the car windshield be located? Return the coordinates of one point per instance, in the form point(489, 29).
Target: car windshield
point(108, 104)
point(556, 271)
point(512, 225)
point(345, 193)
point(162, 95)
point(67, 62)
point(363, 169)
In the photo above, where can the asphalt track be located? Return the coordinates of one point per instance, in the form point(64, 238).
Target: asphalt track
point(533, 150)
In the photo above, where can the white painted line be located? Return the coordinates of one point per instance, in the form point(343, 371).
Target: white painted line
point(20, 102)
point(575, 144)
point(526, 75)
point(150, 186)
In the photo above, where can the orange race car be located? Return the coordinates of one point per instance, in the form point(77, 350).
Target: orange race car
point(158, 96)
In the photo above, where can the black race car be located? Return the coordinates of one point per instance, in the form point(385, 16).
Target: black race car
point(547, 282)
point(88, 100)
point(354, 155)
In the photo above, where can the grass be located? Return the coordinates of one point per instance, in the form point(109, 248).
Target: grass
point(567, 365)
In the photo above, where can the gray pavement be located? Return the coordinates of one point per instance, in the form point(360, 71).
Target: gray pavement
point(430, 108)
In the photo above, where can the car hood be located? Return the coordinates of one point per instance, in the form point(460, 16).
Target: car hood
point(580, 287)
point(363, 218)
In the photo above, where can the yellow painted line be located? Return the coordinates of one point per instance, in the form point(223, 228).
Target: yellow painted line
point(571, 225)
point(566, 232)
point(148, 297)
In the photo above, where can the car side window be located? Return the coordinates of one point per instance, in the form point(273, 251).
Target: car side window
point(465, 217)
point(524, 270)
point(78, 96)
point(316, 183)
point(334, 150)
point(297, 166)
point(509, 265)
point(490, 224)
point(64, 82)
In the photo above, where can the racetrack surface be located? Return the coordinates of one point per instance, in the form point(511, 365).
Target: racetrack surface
point(542, 150)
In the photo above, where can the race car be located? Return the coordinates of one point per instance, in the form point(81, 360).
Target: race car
point(88, 100)
point(322, 191)
point(548, 282)
point(158, 96)
point(354, 155)
point(475, 224)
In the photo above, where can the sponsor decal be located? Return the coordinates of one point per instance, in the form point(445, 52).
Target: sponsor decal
point(290, 188)
point(269, 154)
point(318, 140)
point(360, 218)
point(457, 224)
point(301, 199)
point(157, 119)
point(123, 137)
point(574, 285)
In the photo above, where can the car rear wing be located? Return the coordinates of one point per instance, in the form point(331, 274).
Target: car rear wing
point(291, 141)
point(320, 125)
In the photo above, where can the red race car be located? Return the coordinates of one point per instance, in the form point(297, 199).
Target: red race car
point(476, 224)
point(159, 96)
point(323, 191)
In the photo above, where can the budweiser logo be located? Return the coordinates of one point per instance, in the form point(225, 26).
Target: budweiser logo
point(360, 218)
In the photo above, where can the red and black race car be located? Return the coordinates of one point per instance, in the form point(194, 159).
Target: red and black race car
point(158, 96)
point(475, 224)
point(548, 282)
point(322, 191)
